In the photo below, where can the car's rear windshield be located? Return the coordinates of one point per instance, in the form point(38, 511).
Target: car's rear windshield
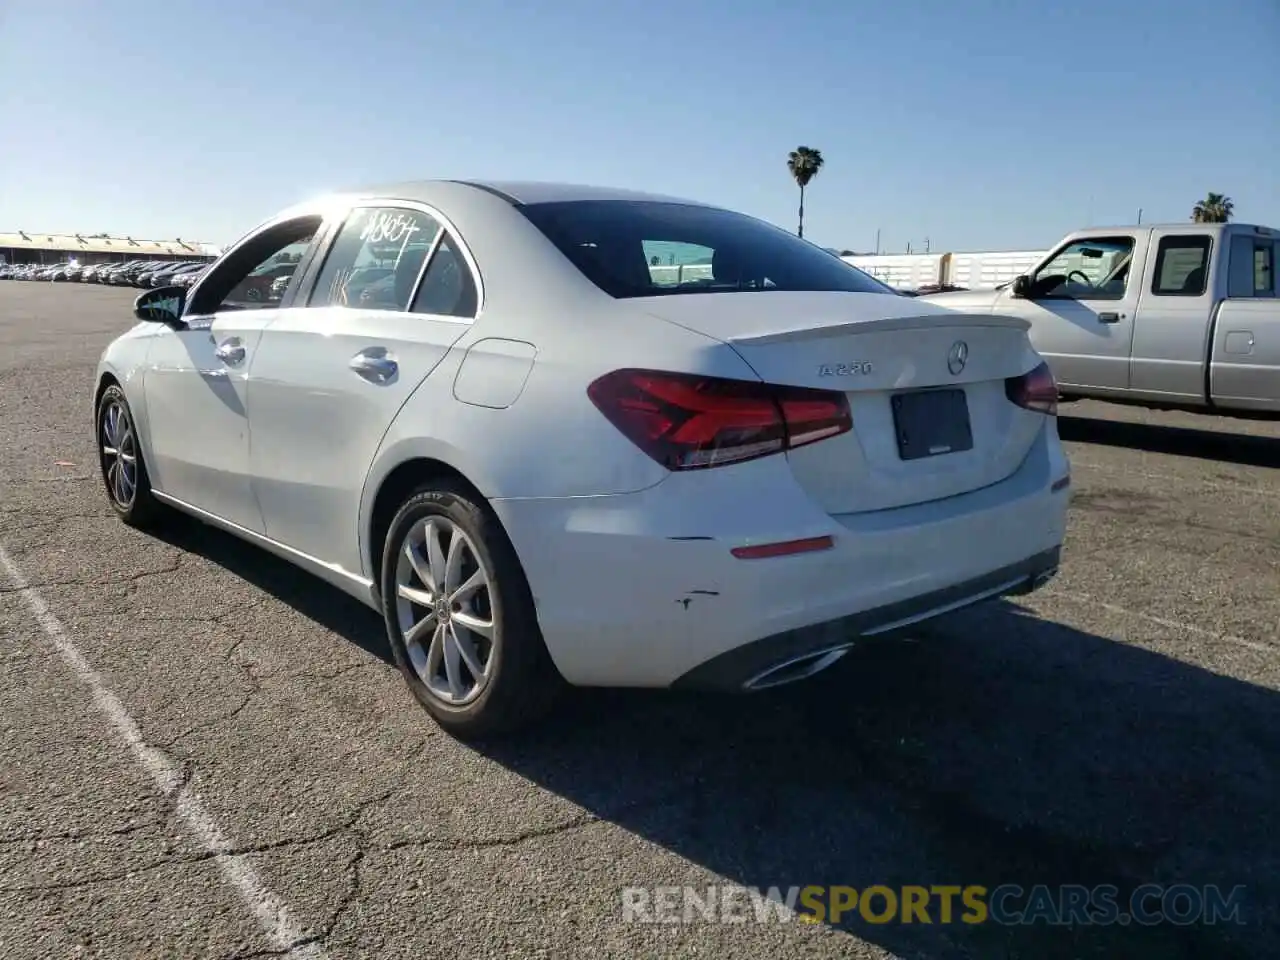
point(648, 248)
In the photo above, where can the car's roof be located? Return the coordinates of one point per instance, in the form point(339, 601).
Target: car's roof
point(517, 191)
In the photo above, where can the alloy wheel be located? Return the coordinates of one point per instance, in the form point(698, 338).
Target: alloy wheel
point(119, 449)
point(445, 611)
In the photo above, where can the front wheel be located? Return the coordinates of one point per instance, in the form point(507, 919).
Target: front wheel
point(124, 471)
point(460, 617)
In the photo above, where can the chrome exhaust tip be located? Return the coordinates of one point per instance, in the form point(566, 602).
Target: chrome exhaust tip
point(1043, 577)
point(796, 668)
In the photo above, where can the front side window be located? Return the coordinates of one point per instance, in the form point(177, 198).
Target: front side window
point(1096, 268)
point(247, 278)
point(1182, 266)
point(375, 259)
point(615, 244)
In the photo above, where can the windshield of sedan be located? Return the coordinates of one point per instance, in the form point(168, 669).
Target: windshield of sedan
point(646, 248)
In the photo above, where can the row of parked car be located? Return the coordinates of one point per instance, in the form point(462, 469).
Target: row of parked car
point(135, 273)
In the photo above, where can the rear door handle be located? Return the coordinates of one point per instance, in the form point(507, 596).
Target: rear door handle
point(375, 365)
point(1109, 317)
point(230, 352)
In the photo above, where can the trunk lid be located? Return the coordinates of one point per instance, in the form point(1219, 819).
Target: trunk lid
point(894, 358)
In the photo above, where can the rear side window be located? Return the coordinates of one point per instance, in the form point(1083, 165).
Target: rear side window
point(1182, 266)
point(1251, 271)
point(448, 288)
point(1264, 270)
point(375, 259)
point(647, 248)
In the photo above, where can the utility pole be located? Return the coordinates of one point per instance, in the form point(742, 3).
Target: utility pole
point(1139, 216)
point(877, 241)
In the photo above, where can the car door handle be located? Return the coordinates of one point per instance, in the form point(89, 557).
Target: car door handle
point(375, 365)
point(230, 352)
point(1109, 317)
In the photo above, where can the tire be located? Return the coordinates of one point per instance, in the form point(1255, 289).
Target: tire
point(127, 484)
point(518, 685)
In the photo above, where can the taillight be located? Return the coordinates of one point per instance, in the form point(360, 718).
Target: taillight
point(1036, 390)
point(687, 422)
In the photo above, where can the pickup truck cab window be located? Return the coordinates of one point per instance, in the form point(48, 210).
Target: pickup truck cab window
point(1182, 266)
point(1094, 268)
point(1251, 272)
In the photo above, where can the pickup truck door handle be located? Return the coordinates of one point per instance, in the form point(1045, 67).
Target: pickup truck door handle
point(231, 351)
point(1109, 317)
point(375, 365)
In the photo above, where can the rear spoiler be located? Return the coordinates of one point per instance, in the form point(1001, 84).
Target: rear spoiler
point(886, 324)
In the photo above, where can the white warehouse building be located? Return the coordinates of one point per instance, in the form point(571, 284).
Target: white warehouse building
point(976, 271)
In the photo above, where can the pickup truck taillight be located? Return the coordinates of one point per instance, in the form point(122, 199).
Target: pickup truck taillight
point(1035, 390)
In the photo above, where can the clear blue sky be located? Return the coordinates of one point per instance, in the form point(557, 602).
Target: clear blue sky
point(978, 124)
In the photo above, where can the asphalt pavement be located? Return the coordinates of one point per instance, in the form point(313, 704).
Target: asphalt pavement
point(206, 753)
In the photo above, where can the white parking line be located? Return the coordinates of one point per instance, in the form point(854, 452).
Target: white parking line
point(272, 915)
point(1170, 477)
point(1085, 600)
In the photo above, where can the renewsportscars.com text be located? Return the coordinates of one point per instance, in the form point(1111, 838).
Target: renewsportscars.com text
point(1008, 904)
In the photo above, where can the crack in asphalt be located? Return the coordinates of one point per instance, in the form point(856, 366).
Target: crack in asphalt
point(204, 856)
point(71, 835)
point(36, 516)
point(178, 560)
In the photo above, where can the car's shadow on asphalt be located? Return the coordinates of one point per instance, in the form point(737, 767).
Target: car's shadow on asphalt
point(997, 749)
point(310, 596)
point(1247, 450)
point(1002, 749)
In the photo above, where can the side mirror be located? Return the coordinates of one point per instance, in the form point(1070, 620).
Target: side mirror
point(1021, 288)
point(162, 305)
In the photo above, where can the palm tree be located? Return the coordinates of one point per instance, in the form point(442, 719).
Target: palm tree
point(1215, 208)
point(804, 164)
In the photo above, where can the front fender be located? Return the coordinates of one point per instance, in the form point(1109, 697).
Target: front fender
point(125, 361)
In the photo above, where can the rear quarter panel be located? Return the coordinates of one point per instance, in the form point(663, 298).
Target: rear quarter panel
point(1244, 370)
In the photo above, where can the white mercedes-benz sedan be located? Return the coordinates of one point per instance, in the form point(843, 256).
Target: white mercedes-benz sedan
point(569, 435)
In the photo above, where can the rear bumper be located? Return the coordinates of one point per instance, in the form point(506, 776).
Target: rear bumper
point(641, 589)
point(792, 654)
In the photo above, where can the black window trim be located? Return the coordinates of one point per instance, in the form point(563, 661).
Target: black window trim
point(1159, 262)
point(446, 225)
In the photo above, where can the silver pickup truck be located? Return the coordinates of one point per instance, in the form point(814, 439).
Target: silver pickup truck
point(1180, 316)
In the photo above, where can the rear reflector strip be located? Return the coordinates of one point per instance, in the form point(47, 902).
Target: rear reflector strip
point(784, 549)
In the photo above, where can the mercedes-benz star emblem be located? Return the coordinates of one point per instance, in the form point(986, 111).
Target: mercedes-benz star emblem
point(957, 357)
